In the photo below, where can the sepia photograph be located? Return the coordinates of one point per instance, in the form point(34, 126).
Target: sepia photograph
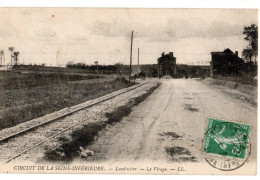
point(128, 91)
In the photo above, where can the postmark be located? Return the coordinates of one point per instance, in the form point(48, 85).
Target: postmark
point(226, 144)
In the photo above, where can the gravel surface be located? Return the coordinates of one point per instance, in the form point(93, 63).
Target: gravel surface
point(92, 114)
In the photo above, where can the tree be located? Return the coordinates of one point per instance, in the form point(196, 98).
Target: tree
point(251, 33)
point(11, 49)
point(70, 64)
point(15, 56)
point(247, 54)
point(119, 67)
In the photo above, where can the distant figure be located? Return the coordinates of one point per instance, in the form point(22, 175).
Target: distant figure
point(186, 76)
point(135, 76)
point(142, 75)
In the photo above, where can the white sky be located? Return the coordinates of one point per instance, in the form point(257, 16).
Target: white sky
point(55, 36)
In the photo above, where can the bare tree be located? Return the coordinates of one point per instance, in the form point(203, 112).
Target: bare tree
point(11, 49)
point(16, 54)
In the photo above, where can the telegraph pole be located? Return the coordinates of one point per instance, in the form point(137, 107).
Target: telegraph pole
point(1, 57)
point(97, 67)
point(96, 62)
point(138, 58)
point(131, 55)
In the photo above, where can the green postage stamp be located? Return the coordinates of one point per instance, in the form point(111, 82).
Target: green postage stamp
point(229, 139)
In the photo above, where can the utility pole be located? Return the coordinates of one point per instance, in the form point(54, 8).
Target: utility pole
point(96, 62)
point(131, 56)
point(138, 58)
point(97, 68)
point(1, 57)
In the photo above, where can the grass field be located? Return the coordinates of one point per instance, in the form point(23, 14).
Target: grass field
point(14, 80)
point(27, 96)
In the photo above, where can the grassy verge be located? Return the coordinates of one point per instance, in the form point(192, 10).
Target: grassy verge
point(21, 105)
point(83, 137)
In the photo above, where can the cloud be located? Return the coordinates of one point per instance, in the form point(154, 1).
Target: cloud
point(95, 34)
point(174, 29)
point(116, 28)
point(123, 27)
point(215, 29)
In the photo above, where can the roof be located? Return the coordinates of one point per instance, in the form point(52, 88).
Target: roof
point(167, 56)
point(226, 51)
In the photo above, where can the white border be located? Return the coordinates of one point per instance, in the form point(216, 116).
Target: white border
point(251, 4)
point(133, 3)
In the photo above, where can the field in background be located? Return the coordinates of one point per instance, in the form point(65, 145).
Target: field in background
point(10, 80)
point(150, 70)
point(25, 96)
point(76, 69)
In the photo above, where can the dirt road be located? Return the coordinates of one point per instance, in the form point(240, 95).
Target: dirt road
point(169, 125)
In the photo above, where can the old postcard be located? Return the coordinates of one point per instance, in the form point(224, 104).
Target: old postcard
point(128, 91)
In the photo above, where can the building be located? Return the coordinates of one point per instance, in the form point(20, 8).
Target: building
point(166, 65)
point(225, 63)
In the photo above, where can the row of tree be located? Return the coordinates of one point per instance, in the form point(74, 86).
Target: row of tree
point(14, 56)
point(82, 65)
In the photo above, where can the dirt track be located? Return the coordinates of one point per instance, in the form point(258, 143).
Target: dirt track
point(169, 125)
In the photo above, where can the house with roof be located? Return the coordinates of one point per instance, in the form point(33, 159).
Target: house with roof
point(225, 63)
point(166, 65)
